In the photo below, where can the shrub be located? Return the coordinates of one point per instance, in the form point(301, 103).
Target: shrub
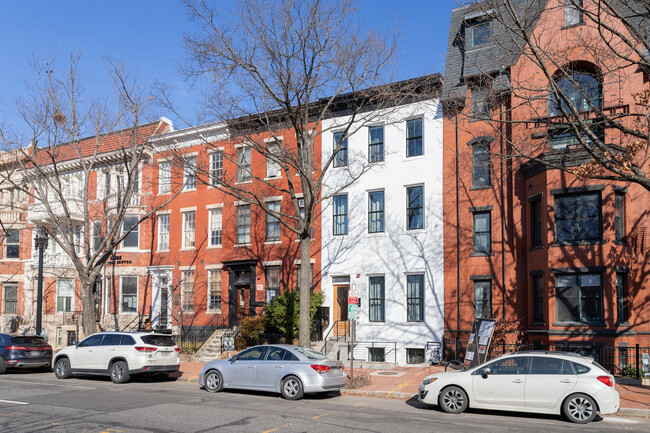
point(629, 371)
point(283, 312)
point(250, 329)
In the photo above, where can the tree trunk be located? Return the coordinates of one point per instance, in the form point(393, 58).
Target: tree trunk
point(88, 319)
point(305, 278)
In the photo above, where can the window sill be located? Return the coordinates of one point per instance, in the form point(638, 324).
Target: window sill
point(538, 324)
point(419, 229)
point(584, 324)
point(213, 247)
point(623, 324)
point(272, 178)
point(242, 245)
point(413, 157)
point(189, 190)
point(272, 242)
point(164, 193)
point(478, 188)
point(188, 249)
point(129, 313)
point(213, 312)
point(340, 166)
point(334, 234)
point(421, 323)
point(481, 117)
point(11, 259)
point(481, 254)
point(622, 243)
point(577, 244)
point(162, 251)
point(571, 26)
point(376, 234)
point(243, 182)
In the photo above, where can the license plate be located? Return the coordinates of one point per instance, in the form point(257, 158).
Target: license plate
point(34, 353)
point(164, 353)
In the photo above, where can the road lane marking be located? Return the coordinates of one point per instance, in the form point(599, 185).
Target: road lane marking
point(269, 431)
point(112, 429)
point(13, 402)
point(318, 416)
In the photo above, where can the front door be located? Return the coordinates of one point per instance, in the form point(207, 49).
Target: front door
point(341, 310)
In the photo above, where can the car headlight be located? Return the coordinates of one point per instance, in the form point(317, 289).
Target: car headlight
point(429, 380)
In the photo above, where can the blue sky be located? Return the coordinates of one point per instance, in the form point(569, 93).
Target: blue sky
point(146, 35)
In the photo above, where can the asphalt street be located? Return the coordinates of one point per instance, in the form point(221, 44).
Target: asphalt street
point(35, 402)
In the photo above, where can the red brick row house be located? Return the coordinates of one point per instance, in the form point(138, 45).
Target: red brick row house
point(561, 258)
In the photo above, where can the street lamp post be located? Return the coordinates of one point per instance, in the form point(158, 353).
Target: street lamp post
point(40, 241)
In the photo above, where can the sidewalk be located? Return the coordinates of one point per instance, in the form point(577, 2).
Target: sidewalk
point(403, 382)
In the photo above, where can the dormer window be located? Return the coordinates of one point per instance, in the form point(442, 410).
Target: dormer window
point(572, 13)
point(478, 31)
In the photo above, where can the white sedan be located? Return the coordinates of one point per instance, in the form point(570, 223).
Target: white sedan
point(531, 381)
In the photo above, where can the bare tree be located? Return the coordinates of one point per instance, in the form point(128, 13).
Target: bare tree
point(280, 69)
point(576, 89)
point(80, 175)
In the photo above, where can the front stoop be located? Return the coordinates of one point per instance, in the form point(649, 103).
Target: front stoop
point(211, 349)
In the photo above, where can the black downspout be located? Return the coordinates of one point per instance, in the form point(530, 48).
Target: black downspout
point(503, 215)
point(457, 237)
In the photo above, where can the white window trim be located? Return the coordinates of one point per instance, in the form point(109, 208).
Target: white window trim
point(207, 306)
point(210, 227)
point(406, 207)
point(186, 247)
point(137, 294)
point(158, 215)
point(160, 162)
point(424, 153)
point(183, 271)
point(121, 246)
point(56, 300)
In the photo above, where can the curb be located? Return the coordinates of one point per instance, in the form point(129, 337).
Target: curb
point(633, 412)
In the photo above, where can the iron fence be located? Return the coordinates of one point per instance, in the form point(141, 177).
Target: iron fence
point(619, 360)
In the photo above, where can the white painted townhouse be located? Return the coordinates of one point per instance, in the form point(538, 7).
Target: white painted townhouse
point(383, 235)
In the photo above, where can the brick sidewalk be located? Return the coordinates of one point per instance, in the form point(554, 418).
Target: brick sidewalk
point(403, 383)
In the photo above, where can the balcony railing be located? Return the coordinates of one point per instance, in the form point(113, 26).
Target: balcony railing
point(58, 260)
point(39, 214)
point(113, 200)
point(10, 216)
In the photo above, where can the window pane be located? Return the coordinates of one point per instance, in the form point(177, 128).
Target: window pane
point(341, 158)
point(131, 240)
point(243, 164)
point(415, 207)
point(10, 298)
point(129, 294)
point(340, 214)
point(415, 298)
point(272, 223)
point(482, 299)
point(188, 229)
point(215, 226)
point(376, 211)
point(376, 298)
point(243, 224)
point(414, 137)
point(376, 143)
point(163, 232)
point(216, 168)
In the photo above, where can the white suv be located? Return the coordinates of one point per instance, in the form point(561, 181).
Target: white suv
point(119, 355)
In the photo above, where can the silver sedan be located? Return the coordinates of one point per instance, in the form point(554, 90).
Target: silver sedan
point(289, 370)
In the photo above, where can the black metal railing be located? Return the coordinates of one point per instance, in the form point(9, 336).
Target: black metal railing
point(619, 360)
point(336, 333)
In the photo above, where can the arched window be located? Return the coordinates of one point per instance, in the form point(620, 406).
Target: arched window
point(582, 89)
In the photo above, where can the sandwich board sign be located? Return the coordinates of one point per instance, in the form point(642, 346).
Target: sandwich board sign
point(479, 342)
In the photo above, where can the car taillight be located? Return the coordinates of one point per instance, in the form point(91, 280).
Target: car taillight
point(320, 369)
point(607, 380)
point(343, 368)
point(18, 348)
point(145, 349)
point(178, 349)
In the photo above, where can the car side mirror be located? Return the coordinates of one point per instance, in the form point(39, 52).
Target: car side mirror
point(233, 358)
point(485, 373)
point(76, 343)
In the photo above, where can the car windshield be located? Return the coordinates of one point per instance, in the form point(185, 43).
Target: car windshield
point(158, 340)
point(311, 354)
point(29, 340)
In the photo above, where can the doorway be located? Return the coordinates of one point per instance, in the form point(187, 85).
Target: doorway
point(341, 310)
point(164, 299)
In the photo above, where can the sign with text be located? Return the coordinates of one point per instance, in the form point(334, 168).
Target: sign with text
point(352, 300)
point(480, 339)
point(353, 294)
point(353, 311)
point(260, 287)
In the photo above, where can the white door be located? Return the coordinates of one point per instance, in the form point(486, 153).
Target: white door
point(83, 355)
point(549, 379)
point(504, 385)
point(243, 372)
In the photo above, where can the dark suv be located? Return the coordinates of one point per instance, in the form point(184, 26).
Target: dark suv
point(24, 351)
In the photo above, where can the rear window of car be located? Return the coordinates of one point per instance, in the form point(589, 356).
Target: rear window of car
point(311, 354)
point(127, 340)
point(29, 340)
point(158, 340)
point(580, 369)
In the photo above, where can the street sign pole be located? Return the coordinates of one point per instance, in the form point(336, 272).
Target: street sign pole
point(351, 349)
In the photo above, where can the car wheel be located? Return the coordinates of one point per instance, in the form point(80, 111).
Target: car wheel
point(62, 368)
point(291, 388)
point(579, 408)
point(213, 381)
point(120, 372)
point(453, 400)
